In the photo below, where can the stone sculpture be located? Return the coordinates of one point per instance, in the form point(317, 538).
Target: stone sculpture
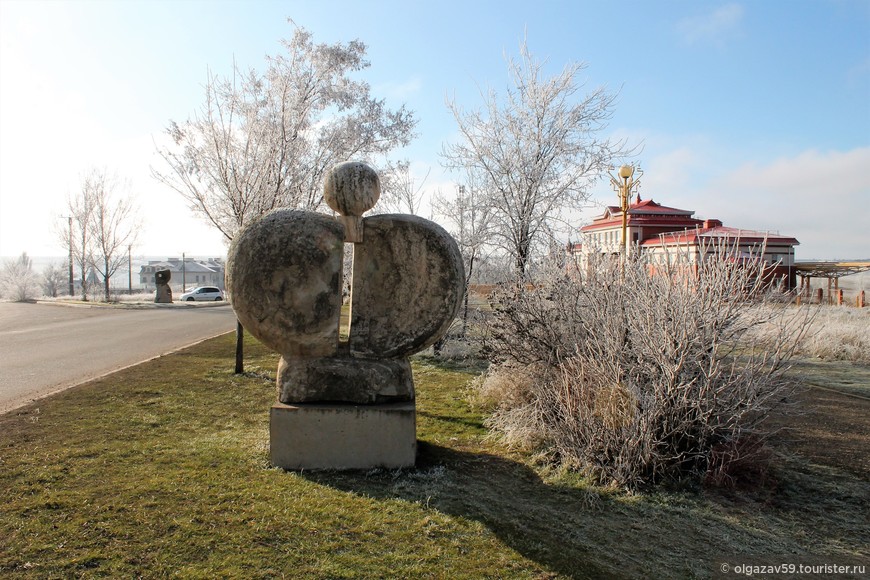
point(164, 292)
point(344, 403)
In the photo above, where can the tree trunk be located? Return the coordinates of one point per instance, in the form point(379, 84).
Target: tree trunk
point(240, 350)
point(106, 278)
point(84, 286)
point(465, 300)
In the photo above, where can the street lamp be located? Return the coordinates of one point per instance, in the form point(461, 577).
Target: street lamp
point(624, 186)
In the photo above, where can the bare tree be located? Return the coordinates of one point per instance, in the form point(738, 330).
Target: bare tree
point(18, 281)
point(469, 218)
point(536, 150)
point(261, 141)
point(78, 240)
point(114, 226)
point(400, 192)
point(54, 278)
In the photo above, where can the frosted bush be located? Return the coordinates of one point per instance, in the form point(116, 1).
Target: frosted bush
point(638, 373)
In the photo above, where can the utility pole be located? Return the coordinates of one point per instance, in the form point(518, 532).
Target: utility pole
point(129, 271)
point(72, 289)
point(183, 274)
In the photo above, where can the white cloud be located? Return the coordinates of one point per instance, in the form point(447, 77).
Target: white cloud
point(711, 28)
point(821, 198)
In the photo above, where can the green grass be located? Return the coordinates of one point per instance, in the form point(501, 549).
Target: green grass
point(162, 470)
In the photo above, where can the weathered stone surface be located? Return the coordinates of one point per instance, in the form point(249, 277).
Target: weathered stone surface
point(344, 379)
point(344, 405)
point(311, 436)
point(284, 280)
point(163, 295)
point(351, 188)
point(408, 282)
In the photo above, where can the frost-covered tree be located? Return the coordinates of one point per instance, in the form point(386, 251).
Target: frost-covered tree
point(18, 281)
point(114, 226)
point(54, 279)
point(400, 192)
point(468, 216)
point(77, 240)
point(263, 140)
point(535, 150)
point(103, 223)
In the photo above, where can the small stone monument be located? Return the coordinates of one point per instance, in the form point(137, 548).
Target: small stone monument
point(164, 292)
point(344, 403)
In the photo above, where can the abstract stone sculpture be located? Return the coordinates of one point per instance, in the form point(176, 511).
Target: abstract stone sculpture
point(344, 397)
point(164, 292)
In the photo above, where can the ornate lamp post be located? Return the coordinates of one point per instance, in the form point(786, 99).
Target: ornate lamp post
point(623, 187)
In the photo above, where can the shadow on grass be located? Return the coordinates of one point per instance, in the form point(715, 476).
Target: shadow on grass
point(582, 532)
point(507, 497)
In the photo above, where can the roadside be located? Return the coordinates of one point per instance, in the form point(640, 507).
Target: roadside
point(47, 347)
point(136, 305)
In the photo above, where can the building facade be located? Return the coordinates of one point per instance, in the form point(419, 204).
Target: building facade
point(186, 273)
point(667, 234)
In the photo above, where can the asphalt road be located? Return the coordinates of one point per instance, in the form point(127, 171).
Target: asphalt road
point(45, 348)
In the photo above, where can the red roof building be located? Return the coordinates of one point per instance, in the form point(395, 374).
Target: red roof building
point(664, 232)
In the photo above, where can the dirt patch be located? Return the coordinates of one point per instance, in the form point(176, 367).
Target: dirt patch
point(827, 427)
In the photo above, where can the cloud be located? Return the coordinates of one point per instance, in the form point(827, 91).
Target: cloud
point(711, 28)
point(820, 197)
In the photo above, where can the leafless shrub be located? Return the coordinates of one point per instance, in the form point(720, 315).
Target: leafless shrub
point(638, 372)
point(147, 297)
point(742, 462)
point(18, 281)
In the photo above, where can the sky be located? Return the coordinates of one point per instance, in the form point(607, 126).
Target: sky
point(753, 112)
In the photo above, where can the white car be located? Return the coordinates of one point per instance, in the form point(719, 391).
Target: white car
point(209, 293)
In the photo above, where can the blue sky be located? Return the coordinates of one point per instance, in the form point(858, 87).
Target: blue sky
point(753, 112)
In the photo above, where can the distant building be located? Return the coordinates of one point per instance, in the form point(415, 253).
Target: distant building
point(664, 232)
point(189, 272)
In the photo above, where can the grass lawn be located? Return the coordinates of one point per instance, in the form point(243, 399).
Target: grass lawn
point(162, 470)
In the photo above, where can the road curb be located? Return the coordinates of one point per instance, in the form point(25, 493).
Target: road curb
point(134, 305)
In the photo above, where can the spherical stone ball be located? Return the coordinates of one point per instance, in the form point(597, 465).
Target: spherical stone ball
point(351, 188)
point(284, 276)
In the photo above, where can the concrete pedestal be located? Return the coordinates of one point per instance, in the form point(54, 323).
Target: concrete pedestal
point(339, 436)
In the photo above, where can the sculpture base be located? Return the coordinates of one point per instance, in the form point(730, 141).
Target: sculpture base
point(344, 379)
point(336, 436)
